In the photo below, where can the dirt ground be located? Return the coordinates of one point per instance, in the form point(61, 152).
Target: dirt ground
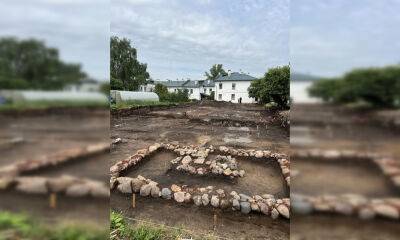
point(40, 133)
point(241, 126)
point(331, 127)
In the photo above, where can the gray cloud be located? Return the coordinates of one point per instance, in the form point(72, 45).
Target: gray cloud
point(79, 29)
point(180, 39)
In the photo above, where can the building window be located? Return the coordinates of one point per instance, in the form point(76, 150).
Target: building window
point(219, 96)
point(191, 91)
point(233, 86)
point(233, 97)
point(210, 90)
point(220, 86)
point(175, 90)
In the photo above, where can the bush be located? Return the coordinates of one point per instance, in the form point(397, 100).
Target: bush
point(379, 87)
point(165, 96)
point(273, 87)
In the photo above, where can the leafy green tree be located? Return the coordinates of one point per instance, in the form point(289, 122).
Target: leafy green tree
point(124, 65)
point(379, 87)
point(30, 64)
point(105, 88)
point(215, 71)
point(161, 90)
point(273, 87)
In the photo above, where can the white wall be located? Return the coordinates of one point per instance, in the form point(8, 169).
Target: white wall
point(227, 91)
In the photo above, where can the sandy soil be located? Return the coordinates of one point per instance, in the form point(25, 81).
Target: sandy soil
point(236, 126)
point(43, 134)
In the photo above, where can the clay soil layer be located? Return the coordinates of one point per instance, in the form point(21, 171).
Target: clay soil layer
point(238, 126)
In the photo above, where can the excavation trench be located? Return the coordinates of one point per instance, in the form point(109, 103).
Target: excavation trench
point(332, 177)
point(260, 176)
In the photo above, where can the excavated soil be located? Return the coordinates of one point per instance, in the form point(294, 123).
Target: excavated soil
point(42, 133)
point(332, 127)
point(245, 126)
point(260, 178)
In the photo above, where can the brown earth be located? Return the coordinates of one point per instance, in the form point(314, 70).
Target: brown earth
point(44, 132)
point(335, 127)
point(241, 126)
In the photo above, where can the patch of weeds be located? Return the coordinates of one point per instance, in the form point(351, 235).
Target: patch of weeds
point(18, 226)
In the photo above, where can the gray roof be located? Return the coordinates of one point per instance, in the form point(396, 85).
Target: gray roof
point(208, 83)
point(235, 76)
point(171, 83)
point(192, 84)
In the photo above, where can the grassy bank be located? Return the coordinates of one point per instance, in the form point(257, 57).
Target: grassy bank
point(137, 103)
point(121, 229)
point(28, 105)
point(20, 226)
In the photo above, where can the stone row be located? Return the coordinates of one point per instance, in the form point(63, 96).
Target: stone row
point(206, 196)
point(390, 168)
point(68, 185)
point(348, 204)
point(63, 156)
point(220, 165)
point(202, 152)
point(335, 155)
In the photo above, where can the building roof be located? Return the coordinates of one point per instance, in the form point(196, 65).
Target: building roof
point(192, 83)
point(235, 76)
point(208, 83)
point(170, 83)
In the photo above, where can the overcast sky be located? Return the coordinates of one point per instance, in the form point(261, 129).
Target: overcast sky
point(79, 29)
point(328, 38)
point(182, 39)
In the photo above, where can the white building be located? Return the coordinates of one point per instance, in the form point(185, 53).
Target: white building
point(233, 88)
point(85, 85)
point(230, 88)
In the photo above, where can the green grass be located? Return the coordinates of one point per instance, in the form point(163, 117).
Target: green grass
point(121, 229)
point(21, 226)
point(137, 103)
point(27, 105)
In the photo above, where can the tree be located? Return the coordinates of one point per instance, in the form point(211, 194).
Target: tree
point(30, 64)
point(215, 71)
point(273, 87)
point(161, 90)
point(378, 87)
point(105, 88)
point(124, 66)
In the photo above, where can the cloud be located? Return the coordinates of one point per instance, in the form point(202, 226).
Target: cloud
point(180, 39)
point(79, 29)
point(330, 38)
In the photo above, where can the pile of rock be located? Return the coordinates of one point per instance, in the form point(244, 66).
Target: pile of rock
point(205, 196)
point(220, 165)
point(68, 185)
point(348, 204)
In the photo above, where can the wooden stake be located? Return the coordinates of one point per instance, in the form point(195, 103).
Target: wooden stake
point(133, 200)
point(53, 200)
point(215, 221)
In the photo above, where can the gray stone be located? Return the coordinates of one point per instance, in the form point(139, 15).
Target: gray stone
point(155, 191)
point(245, 207)
point(205, 200)
point(302, 206)
point(264, 208)
point(78, 190)
point(179, 197)
point(236, 204)
point(186, 160)
point(274, 213)
point(254, 207)
point(32, 185)
point(197, 200)
point(137, 183)
point(366, 213)
point(215, 201)
point(166, 193)
point(188, 197)
point(283, 210)
point(145, 190)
